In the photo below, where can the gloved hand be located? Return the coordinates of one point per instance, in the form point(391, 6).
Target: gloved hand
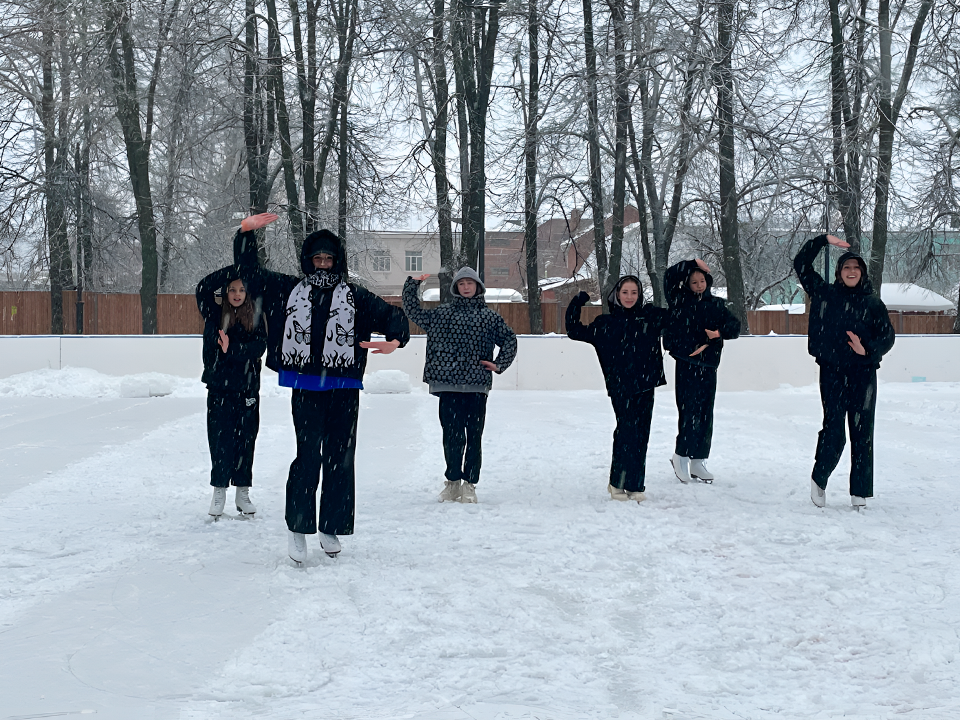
point(582, 298)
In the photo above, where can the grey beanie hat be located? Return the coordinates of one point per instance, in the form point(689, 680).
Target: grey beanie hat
point(467, 273)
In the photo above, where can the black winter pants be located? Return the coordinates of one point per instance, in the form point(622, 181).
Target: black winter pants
point(695, 387)
point(628, 470)
point(462, 416)
point(233, 421)
point(325, 422)
point(847, 395)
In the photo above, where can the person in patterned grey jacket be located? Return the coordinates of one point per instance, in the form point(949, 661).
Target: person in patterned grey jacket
point(459, 368)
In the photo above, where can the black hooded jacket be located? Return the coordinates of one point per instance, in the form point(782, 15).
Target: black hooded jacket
point(238, 369)
point(372, 313)
point(835, 309)
point(692, 314)
point(627, 341)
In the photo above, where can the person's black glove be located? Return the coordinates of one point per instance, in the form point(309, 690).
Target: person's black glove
point(582, 298)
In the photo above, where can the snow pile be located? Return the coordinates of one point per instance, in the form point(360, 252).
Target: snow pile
point(387, 382)
point(73, 382)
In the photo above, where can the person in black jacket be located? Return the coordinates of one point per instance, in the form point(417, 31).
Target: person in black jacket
point(459, 367)
point(319, 329)
point(627, 342)
point(849, 334)
point(234, 339)
point(699, 323)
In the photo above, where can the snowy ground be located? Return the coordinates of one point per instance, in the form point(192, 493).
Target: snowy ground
point(546, 600)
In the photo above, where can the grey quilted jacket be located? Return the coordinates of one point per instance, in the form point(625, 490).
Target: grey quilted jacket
point(460, 334)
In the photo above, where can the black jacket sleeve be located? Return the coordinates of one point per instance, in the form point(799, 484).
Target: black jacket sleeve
point(810, 279)
point(506, 340)
point(576, 330)
point(674, 279)
point(882, 333)
point(206, 292)
point(411, 305)
point(274, 287)
point(730, 325)
point(382, 317)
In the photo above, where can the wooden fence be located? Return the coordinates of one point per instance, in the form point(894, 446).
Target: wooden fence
point(28, 313)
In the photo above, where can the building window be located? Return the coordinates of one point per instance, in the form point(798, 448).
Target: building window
point(381, 261)
point(502, 272)
point(414, 261)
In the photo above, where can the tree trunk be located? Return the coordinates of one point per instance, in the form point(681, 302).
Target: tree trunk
point(846, 131)
point(474, 40)
point(889, 112)
point(275, 62)
point(342, 183)
point(530, 147)
point(729, 232)
point(441, 89)
point(123, 71)
point(622, 111)
point(593, 148)
point(257, 124)
point(60, 270)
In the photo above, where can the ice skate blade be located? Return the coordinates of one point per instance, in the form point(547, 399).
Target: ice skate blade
point(216, 518)
point(246, 514)
point(705, 481)
point(331, 555)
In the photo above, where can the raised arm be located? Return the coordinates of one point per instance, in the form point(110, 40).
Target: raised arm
point(674, 279)
point(810, 279)
point(411, 303)
point(576, 330)
point(206, 292)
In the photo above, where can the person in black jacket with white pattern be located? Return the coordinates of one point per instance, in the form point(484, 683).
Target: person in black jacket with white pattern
point(319, 329)
point(849, 334)
point(459, 367)
point(699, 323)
point(234, 340)
point(627, 342)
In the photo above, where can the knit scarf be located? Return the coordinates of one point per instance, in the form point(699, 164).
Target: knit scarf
point(338, 342)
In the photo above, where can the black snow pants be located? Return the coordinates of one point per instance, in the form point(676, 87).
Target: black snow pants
point(695, 387)
point(325, 423)
point(847, 395)
point(634, 413)
point(462, 416)
point(233, 421)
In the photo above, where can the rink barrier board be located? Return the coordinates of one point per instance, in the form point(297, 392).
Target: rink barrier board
point(544, 362)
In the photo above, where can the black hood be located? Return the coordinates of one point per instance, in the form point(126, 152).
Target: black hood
point(613, 301)
point(864, 285)
point(323, 241)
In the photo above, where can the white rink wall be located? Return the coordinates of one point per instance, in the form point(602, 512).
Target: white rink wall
point(547, 362)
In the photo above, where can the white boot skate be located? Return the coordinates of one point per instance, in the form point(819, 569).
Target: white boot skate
point(297, 547)
point(330, 544)
point(698, 470)
point(244, 506)
point(451, 491)
point(617, 493)
point(681, 467)
point(859, 503)
point(817, 494)
point(468, 492)
point(219, 500)
point(637, 495)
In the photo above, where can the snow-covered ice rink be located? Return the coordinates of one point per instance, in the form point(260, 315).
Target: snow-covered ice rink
point(546, 600)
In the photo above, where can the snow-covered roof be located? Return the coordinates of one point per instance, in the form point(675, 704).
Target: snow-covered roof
point(792, 308)
point(908, 297)
point(492, 295)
